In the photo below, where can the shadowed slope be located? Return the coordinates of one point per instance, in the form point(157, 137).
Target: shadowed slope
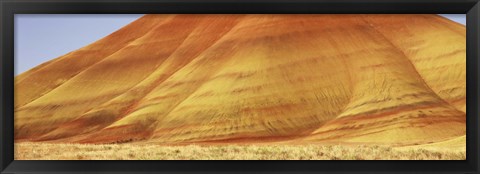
point(254, 78)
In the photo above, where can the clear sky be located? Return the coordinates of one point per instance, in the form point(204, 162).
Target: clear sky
point(42, 37)
point(460, 18)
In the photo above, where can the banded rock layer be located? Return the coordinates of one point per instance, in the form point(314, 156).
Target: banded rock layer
point(253, 78)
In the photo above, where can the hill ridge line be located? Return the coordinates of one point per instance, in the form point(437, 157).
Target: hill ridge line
point(84, 69)
point(137, 107)
point(104, 107)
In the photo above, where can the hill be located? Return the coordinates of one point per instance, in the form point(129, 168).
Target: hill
point(169, 79)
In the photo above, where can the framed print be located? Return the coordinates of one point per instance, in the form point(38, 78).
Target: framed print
point(286, 86)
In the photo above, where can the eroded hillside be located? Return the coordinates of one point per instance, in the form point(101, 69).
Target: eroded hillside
point(253, 78)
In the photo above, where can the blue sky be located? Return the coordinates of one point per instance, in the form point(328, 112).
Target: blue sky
point(42, 37)
point(460, 18)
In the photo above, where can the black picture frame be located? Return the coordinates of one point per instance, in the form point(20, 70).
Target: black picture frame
point(10, 7)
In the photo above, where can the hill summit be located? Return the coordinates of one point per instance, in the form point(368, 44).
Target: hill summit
point(253, 79)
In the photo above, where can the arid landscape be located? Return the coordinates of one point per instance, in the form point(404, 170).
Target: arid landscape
point(252, 87)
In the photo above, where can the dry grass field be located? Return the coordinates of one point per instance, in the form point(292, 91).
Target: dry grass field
point(44, 151)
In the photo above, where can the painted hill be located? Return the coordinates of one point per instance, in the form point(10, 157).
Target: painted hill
point(253, 78)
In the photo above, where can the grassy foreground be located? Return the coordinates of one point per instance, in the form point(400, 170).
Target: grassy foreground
point(43, 151)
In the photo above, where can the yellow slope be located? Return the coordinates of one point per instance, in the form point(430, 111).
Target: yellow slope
point(256, 78)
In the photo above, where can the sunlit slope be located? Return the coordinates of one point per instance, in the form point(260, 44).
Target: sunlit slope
point(252, 78)
point(107, 79)
point(454, 144)
point(438, 60)
point(417, 93)
point(122, 105)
